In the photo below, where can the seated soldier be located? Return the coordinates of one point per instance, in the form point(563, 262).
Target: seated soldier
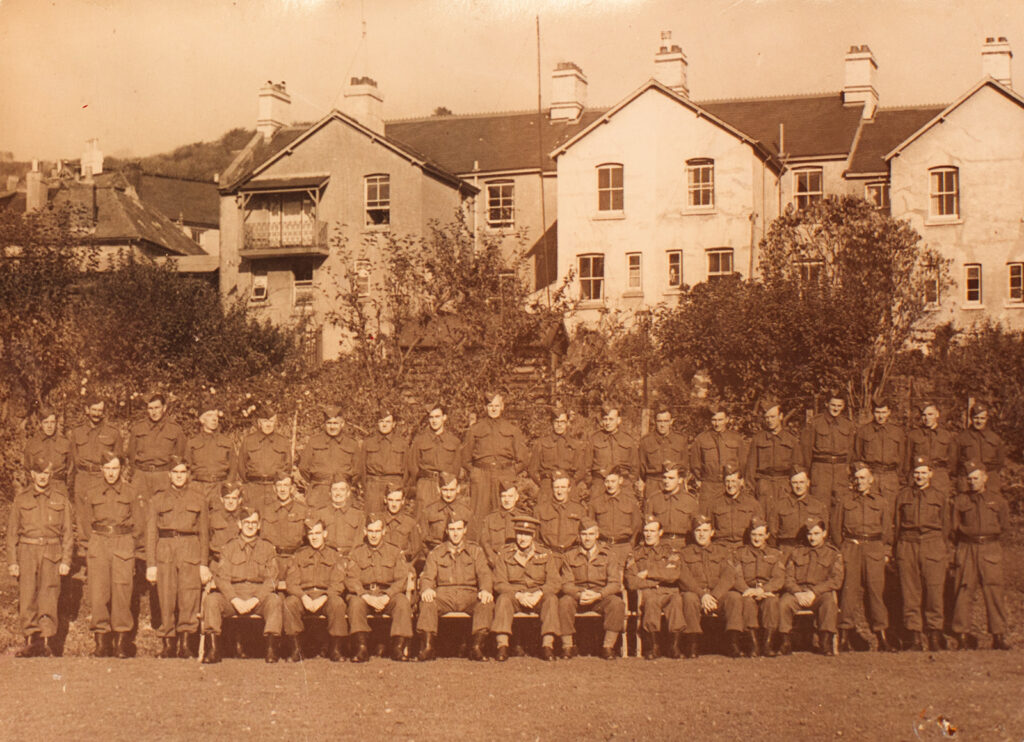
point(525, 578)
point(246, 578)
point(760, 575)
point(560, 517)
point(283, 522)
point(617, 514)
point(435, 516)
point(455, 578)
point(732, 511)
point(315, 584)
point(497, 529)
point(377, 575)
point(788, 515)
point(675, 508)
point(223, 517)
point(814, 574)
point(653, 570)
point(707, 579)
point(344, 520)
point(592, 581)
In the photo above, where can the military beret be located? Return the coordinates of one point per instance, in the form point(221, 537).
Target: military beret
point(979, 408)
point(446, 477)
point(107, 456)
point(608, 408)
point(758, 522)
point(730, 469)
point(340, 477)
point(667, 466)
point(973, 466)
point(880, 400)
point(386, 411)
point(46, 411)
point(810, 523)
point(312, 523)
point(227, 488)
point(768, 402)
point(603, 473)
point(857, 466)
point(525, 523)
point(331, 411)
point(372, 517)
point(155, 396)
point(208, 403)
point(264, 411)
point(505, 485)
point(587, 522)
point(92, 398)
point(652, 518)
point(41, 463)
point(557, 411)
point(281, 474)
point(559, 474)
point(924, 404)
point(701, 520)
point(175, 461)
point(797, 469)
point(619, 469)
point(715, 407)
point(922, 461)
point(392, 488)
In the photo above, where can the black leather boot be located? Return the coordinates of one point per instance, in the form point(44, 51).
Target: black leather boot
point(673, 647)
point(211, 649)
point(169, 647)
point(476, 652)
point(733, 644)
point(828, 643)
point(935, 640)
point(427, 652)
point(362, 650)
point(785, 644)
point(755, 643)
point(884, 643)
point(1000, 642)
point(916, 642)
point(334, 649)
point(649, 642)
point(124, 645)
point(398, 645)
point(690, 645)
point(31, 648)
point(272, 655)
point(293, 648)
point(768, 646)
point(845, 642)
point(102, 648)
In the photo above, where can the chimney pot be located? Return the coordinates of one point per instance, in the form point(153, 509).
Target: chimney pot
point(670, 65)
point(859, 80)
point(274, 106)
point(997, 60)
point(362, 101)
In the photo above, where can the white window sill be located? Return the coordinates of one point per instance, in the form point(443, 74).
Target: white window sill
point(933, 308)
point(603, 215)
point(511, 229)
point(377, 227)
point(942, 221)
point(633, 294)
point(1013, 305)
point(674, 291)
point(592, 304)
point(971, 307)
point(699, 210)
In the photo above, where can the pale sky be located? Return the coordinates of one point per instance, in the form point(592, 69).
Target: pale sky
point(145, 76)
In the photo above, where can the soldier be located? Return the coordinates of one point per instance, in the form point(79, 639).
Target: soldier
point(498, 527)
point(402, 530)
point(555, 450)
point(329, 453)
point(980, 444)
point(50, 445)
point(653, 570)
point(90, 441)
point(935, 443)
point(376, 578)
point(733, 511)
point(39, 546)
point(494, 450)
point(382, 461)
point(862, 529)
point(674, 507)
point(455, 578)
point(283, 522)
point(114, 522)
point(608, 448)
point(922, 537)
point(246, 579)
point(592, 581)
point(618, 515)
point(560, 518)
point(526, 578)
point(712, 450)
point(177, 558)
point(343, 520)
point(663, 444)
point(435, 516)
point(773, 452)
point(979, 519)
point(707, 581)
point(315, 585)
point(826, 446)
point(223, 517)
point(434, 449)
point(211, 454)
point(814, 573)
point(882, 445)
point(788, 516)
point(264, 453)
point(760, 576)
point(151, 445)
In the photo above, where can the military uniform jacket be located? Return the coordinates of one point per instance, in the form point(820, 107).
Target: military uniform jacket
point(253, 563)
point(497, 531)
point(599, 570)
point(54, 448)
point(284, 525)
point(731, 517)
point(607, 450)
point(706, 569)
point(655, 449)
point(184, 511)
point(383, 455)
point(261, 456)
point(977, 515)
point(44, 518)
point(819, 570)
point(787, 516)
point(859, 516)
point(223, 527)
point(435, 515)
point(515, 571)
point(211, 457)
point(431, 453)
point(880, 446)
point(497, 443)
point(982, 446)
point(344, 525)
point(89, 442)
point(152, 444)
point(326, 456)
point(464, 566)
point(662, 565)
point(380, 569)
point(711, 451)
point(114, 506)
point(922, 511)
point(771, 455)
point(316, 572)
point(404, 533)
point(618, 517)
point(937, 444)
point(552, 452)
point(764, 568)
point(675, 511)
point(827, 436)
point(560, 523)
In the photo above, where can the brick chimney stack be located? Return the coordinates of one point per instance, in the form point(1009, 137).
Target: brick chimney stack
point(859, 80)
point(568, 92)
point(670, 65)
point(274, 106)
point(997, 60)
point(363, 102)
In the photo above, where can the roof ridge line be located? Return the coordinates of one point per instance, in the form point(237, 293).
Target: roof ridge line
point(802, 96)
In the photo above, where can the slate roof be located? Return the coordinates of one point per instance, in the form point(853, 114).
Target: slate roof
point(878, 137)
point(191, 201)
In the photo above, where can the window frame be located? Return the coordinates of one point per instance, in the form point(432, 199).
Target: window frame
point(1011, 288)
point(302, 288)
point(362, 274)
point(696, 166)
point(636, 271)
point(591, 284)
point(810, 270)
point(882, 203)
point(501, 223)
point(677, 285)
point(938, 195)
point(259, 286)
point(281, 220)
point(804, 198)
point(377, 204)
point(979, 300)
point(932, 286)
point(719, 252)
point(611, 189)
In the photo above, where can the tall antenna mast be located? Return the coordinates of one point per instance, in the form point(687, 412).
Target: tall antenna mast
point(543, 262)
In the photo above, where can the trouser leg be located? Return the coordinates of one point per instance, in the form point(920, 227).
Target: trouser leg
point(272, 610)
point(788, 608)
point(167, 591)
point(98, 564)
point(673, 609)
point(966, 582)
point(826, 611)
point(30, 561)
point(292, 613)
point(909, 565)
point(991, 571)
point(122, 575)
point(691, 613)
point(874, 578)
point(337, 618)
point(190, 594)
point(47, 597)
point(852, 595)
point(768, 612)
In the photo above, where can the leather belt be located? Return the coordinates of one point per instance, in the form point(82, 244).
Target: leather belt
point(102, 530)
point(980, 539)
point(287, 552)
point(499, 464)
point(42, 541)
point(153, 467)
point(821, 458)
point(379, 586)
point(172, 532)
point(857, 538)
point(917, 536)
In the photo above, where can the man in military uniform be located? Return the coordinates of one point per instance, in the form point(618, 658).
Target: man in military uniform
point(493, 451)
point(455, 578)
point(434, 449)
point(329, 453)
point(114, 522)
point(922, 538)
point(935, 443)
point(223, 517)
point(211, 454)
point(733, 511)
point(435, 516)
point(882, 446)
point(707, 582)
point(711, 451)
point(760, 575)
point(618, 515)
point(814, 573)
point(653, 570)
point(674, 507)
point(592, 581)
point(560, 518)
point(980, 517)
point(177, 558)
point(788, 516)
point(400, 529)
point(773, 452)
point(526, 579)
point(246, 579)
point(151, 445)
point(826, 446)
point(553, 451)
point(382, 461)
point(283, 522)
point(315, 585)
point(862, 529)
point(343, 520)
point(608, 448)
point(498, 528)
point(660, 445)
point(980, 444)
point(50, 445)
point(264, 453)
point(377, 574)
point(39, 546)
point(90, 441)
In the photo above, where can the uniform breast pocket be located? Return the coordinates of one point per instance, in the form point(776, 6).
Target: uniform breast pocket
point(107, 440)
point(192, 511)
point(55, 512)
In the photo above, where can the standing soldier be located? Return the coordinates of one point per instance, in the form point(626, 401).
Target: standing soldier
point(760, 575)
point(560, 518)
point(343, 520)
point(224, 517)
point(498, 528)
point(90, 440)
point(862, 529)
point(50, 445)
point(713, 449)
point(618, 515)
point(434, 449)
point(882, 446)
point(980, 444)
point(663, 444)
point(114, 523)
point(177, 558)
point(283, 522)
point(979, 518)
point(382, 461)
point(328, 453)
point(151, 445)
point(826, 446)
point(733, 511)
point(653, 570)
point(708, 580)
point(211, 455)
point(788, 516)
point(608, 448)
point(263, 454)
point(922, 537)
point(555, 450)
point(315, 584)
point(935, 443)
point(402, 530)
point(674, 507)
point(814, 574)
point(39, 546)
point(773, 452)
point(592, 581)
point(494, 450)
point(435, 516)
